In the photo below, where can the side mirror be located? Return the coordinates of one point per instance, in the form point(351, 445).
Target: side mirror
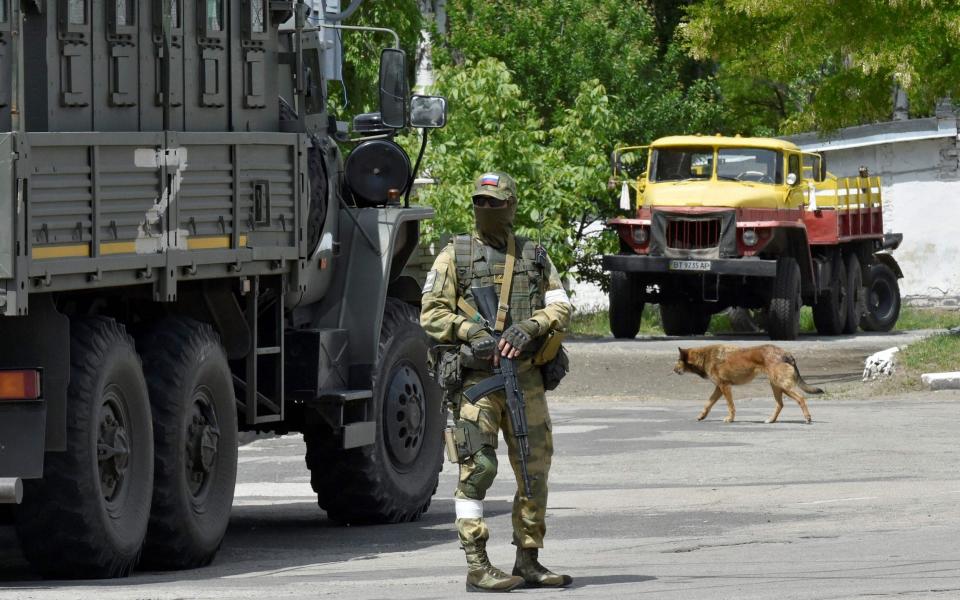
point(393, 88)
point(792, 179)
point(615, 166)
point(428, 111)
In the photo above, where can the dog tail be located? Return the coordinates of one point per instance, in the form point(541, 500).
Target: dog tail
point(788, 358)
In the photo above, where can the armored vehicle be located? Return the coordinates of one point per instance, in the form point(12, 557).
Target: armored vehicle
point(185, 254)
point(753, 223)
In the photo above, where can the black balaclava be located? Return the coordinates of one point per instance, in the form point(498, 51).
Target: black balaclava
point(495, 225)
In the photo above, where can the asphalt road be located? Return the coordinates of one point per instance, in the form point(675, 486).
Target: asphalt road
point(645, 501)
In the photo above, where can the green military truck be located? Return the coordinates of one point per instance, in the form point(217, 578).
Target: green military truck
point(185, 254)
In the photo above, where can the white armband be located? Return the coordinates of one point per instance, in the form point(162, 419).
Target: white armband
point(557, 295)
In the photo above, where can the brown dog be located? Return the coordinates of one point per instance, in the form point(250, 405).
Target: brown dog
point(727, 366)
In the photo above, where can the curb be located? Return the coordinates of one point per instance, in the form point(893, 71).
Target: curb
point(941, 381)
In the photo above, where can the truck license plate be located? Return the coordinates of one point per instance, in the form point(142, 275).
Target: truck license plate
point(689, 265)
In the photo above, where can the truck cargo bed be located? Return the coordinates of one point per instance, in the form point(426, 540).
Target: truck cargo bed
point(108, 209)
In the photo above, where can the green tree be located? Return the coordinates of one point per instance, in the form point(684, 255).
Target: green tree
point(552, 46)
point(560, 171)
point(824, 64)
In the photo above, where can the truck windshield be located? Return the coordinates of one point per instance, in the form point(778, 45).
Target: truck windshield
point(679, 164)
point(749, 164)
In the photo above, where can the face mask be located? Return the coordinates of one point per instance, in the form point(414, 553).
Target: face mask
point(494, 225)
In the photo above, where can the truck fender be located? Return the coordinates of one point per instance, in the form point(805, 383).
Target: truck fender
point(884, 257)
point(405, 288)
point(367, 265)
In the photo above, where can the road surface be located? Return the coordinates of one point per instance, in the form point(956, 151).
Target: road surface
point(645, 502)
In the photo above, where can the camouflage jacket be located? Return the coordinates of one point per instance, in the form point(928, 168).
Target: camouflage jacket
point(536, 293)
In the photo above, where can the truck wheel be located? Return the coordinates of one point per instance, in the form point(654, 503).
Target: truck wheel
point(626, 307)
point(830, 311)
point(855, 295)
point(195, 443)
point(392, 480)
point(783, 317)
point(686, 318)
point(87, 517)
point(882, 299)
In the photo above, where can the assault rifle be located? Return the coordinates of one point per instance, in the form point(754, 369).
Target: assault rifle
point(505, 379)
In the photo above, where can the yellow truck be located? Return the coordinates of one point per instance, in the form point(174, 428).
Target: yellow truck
point(748, 222)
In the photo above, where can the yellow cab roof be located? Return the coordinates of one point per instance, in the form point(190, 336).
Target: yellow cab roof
point(723, 141)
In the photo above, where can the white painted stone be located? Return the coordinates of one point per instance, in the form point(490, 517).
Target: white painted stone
point(880, 364)
point(941, 381)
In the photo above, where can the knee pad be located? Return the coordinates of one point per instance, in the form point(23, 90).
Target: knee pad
point(483, 470)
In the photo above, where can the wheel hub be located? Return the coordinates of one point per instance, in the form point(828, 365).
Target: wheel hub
point(404, 414)
point(113, 447)
point(881, 299)
point(202, 444)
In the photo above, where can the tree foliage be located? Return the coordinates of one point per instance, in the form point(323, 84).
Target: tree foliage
point(544, 90)
point(560, 171)
point(552, 46)
point(823, 64)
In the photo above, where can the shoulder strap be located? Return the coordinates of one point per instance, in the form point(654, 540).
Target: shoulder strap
point(504, 305)
point(463, 260)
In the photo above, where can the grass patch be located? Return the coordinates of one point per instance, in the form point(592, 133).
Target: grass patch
point(935, 354)
point(597, 324)
point(927, 318)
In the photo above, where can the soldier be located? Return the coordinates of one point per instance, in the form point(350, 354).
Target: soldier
point(538, 305)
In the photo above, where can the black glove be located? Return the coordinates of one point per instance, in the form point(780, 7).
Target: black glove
point(481, 342)
point(520, 335)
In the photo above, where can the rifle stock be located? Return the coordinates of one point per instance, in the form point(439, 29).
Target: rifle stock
point(505, 378)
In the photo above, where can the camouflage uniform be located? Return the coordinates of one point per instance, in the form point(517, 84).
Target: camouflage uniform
point(537, 295)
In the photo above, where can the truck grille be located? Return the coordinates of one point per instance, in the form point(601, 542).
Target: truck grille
point(683, 234)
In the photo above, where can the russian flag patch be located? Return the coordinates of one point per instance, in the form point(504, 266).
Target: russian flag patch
point(488, 179)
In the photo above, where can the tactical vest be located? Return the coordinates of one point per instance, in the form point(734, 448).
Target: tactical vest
point(480, 265)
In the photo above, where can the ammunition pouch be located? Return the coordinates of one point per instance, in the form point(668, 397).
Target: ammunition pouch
point(549, 348)
point(465, 439)
point(443, 364)
point(555, 370)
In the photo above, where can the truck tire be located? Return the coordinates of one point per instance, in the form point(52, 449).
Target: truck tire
point(855, 294)
point(195, 443)
point(882, 299)
point(830, 311)
point(783, 316)
point(687, 318)
point(392, 480)
point(626, 307)
point(87, 517)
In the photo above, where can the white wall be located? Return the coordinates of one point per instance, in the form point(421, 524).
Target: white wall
point(921, 195)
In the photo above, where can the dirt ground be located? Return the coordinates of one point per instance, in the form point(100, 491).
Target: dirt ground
point(642, 369)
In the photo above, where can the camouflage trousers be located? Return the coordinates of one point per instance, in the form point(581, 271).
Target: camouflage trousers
point(477, 472)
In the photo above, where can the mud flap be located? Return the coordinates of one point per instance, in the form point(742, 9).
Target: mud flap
point(22, 426)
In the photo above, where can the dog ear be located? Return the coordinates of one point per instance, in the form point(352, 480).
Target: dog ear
point(683, 353)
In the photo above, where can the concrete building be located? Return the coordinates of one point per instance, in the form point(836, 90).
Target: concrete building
point(919, 163)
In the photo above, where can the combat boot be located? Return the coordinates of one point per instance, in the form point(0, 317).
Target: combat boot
point(535, 574)
point(481, 575)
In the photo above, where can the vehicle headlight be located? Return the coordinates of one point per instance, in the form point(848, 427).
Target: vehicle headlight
point(641, 235)
point(750, 237)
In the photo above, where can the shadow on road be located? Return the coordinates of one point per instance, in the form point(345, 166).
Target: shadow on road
point(273, 538)
point(597, 580)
